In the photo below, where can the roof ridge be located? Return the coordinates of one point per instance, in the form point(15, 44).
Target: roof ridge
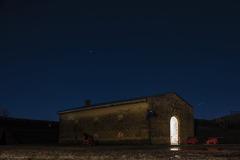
point(111, 103)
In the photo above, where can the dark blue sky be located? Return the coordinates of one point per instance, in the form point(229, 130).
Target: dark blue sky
point(56, 54)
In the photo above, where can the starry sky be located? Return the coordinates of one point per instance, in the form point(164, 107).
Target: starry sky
point(55, 54)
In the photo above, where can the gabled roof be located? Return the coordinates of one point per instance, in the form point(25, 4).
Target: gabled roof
point(111, 104)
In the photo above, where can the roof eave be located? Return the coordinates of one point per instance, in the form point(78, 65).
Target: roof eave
point(102, 106)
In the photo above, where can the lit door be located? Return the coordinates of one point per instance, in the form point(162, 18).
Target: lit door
point(174, 130)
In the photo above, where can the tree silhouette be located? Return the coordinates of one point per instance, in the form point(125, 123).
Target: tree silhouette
point(3, 111)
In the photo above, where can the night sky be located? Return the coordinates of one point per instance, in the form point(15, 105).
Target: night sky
point(56, 54)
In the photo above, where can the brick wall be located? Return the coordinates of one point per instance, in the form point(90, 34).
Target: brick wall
point(166, 107)
point(119, 123)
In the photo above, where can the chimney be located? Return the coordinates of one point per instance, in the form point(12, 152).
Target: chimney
point(87, 103)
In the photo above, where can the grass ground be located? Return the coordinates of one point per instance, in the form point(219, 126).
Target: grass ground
point(219, 152)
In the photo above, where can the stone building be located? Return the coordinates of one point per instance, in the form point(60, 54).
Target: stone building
point(161, 119)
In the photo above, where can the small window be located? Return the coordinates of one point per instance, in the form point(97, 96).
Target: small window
point(96, 119)
point(120, 117)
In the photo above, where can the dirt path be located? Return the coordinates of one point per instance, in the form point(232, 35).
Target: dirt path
point(120, 152)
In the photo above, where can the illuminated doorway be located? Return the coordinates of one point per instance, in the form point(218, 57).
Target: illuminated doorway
point(174, 131)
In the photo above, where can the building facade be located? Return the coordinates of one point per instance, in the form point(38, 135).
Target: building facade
point(162, 119)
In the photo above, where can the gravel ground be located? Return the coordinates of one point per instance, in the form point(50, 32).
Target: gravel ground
point(120, 152)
